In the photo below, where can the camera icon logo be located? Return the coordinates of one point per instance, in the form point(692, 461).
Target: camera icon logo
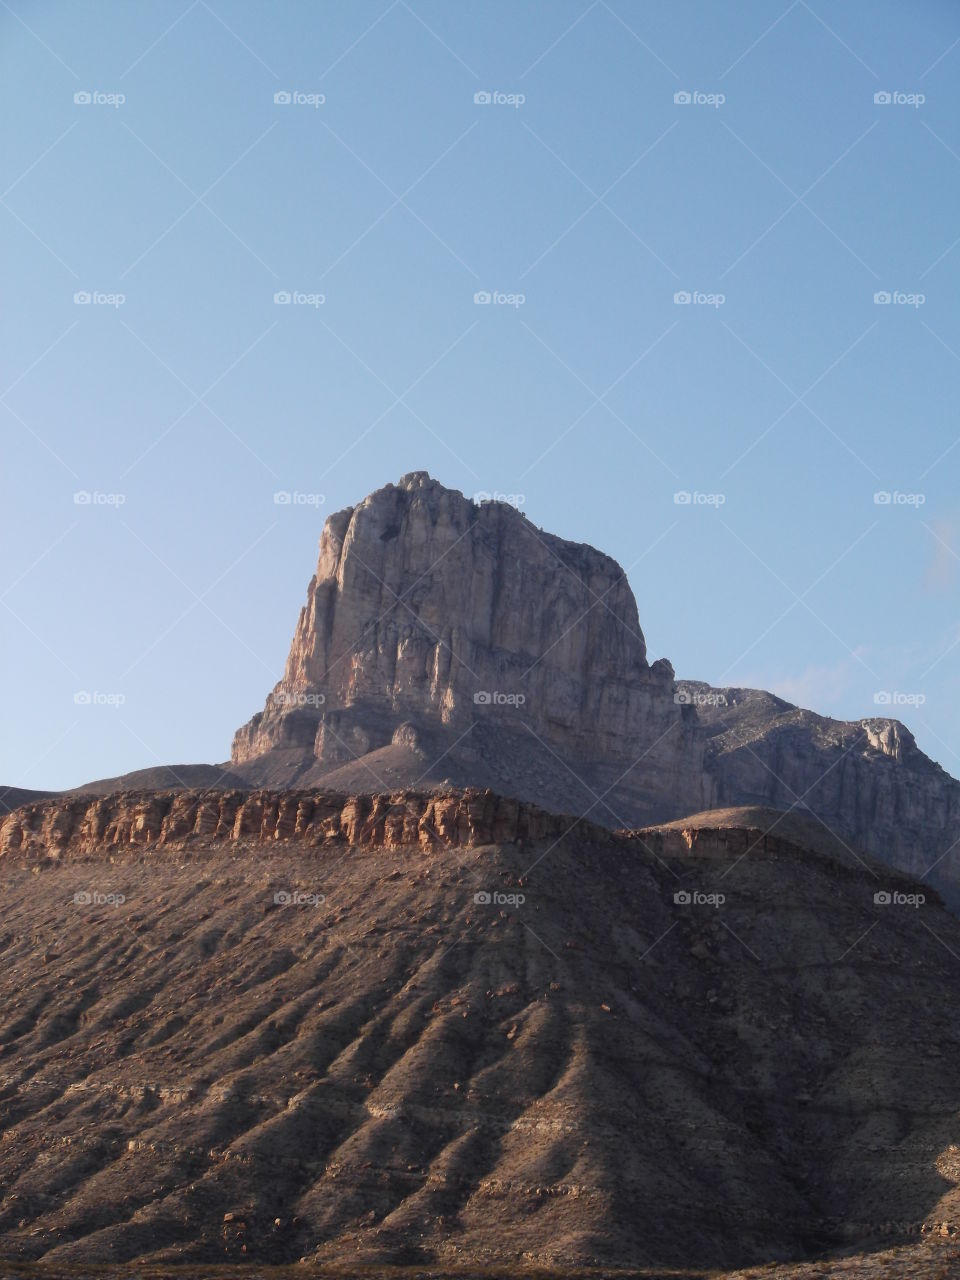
point(682, 497)
point(882, 98)
point(482, 698)
point(81, 698)
point(482, 899)
point(681, 298)
point(881, 298)
point(882, 698)
point(83, 899)
point(482, 298)
point(82, 298)
point(882, 498)
point(282, 498)
point(282, 898)
point(482, 99)
point(682, 898)
point(281, 299)
point(682, 98)
point(82, 99)
point(282, 98)
point(882, 898)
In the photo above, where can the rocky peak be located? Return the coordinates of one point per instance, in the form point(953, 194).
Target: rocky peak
point(889, 737)
point(429, 607)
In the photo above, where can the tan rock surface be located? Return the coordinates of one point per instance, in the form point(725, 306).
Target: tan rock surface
point(464, 634)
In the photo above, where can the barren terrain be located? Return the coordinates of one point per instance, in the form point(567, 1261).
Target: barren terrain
point(326, 1036)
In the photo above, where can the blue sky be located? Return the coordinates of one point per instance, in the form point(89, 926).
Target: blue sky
point(782, 197)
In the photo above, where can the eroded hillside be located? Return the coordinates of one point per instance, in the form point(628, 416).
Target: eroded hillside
point(513, 1039)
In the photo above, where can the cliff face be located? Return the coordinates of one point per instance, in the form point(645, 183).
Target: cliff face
point(428, 612)
point(128, 822)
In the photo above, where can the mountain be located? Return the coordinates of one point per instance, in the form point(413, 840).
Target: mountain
point(449, 643)
point(866, 779)
point(446, 643)
point(455, 1032)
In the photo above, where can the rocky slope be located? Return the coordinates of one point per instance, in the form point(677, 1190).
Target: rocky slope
point(458, 1031)
point(867, 779)
point(13, 797)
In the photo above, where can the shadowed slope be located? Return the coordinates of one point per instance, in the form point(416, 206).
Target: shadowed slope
point(326, 1034)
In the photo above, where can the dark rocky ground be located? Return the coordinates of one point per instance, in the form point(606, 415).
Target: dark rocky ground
point(397, 1075)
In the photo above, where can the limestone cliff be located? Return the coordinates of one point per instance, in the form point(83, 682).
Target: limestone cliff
point(463, 632)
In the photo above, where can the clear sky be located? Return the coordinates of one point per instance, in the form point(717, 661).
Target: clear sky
point(782, 196)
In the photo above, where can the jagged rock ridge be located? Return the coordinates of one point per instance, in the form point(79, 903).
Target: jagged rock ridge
point(866, 779)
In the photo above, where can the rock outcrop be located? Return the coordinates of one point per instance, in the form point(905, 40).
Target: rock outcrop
point(460, 630)
point(128, 821)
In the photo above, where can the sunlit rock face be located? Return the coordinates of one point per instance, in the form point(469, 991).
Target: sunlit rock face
point(429, 610)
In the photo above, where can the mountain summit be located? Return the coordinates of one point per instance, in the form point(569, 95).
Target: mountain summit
point(449, 640)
